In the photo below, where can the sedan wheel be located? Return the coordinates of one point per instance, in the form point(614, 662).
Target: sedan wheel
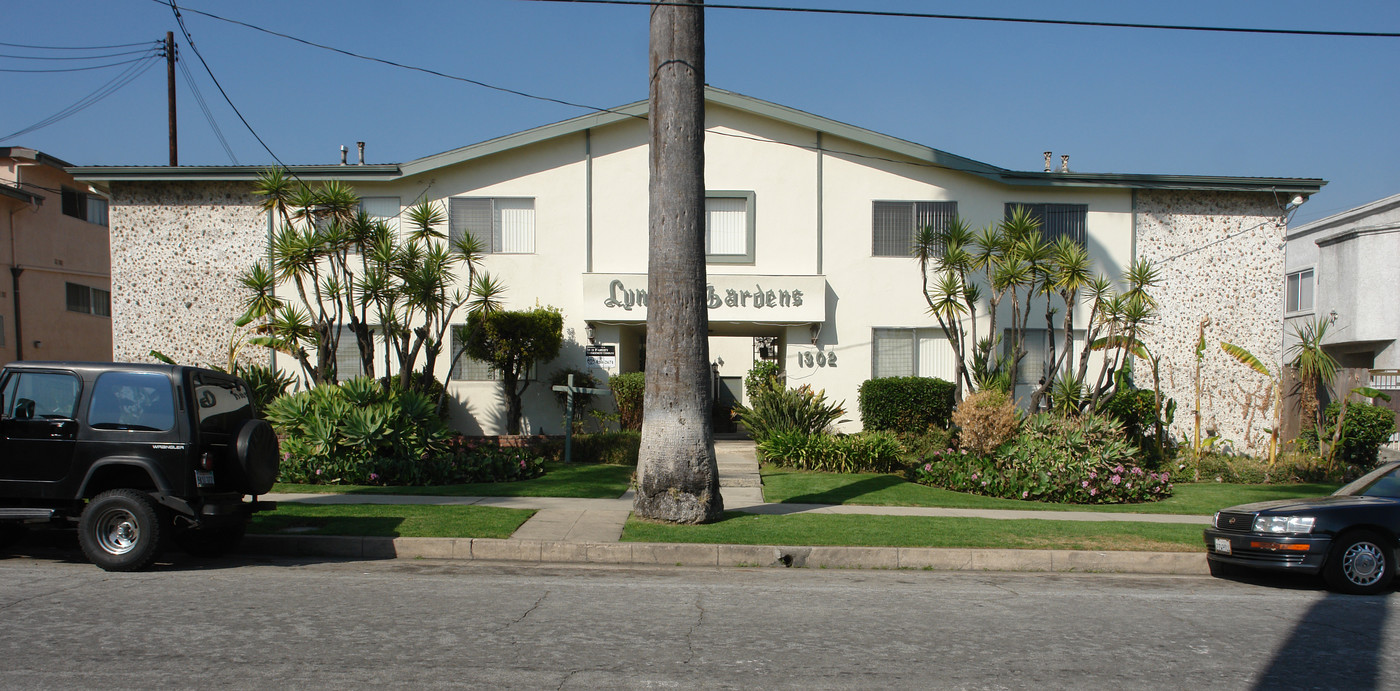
point(1361, 563)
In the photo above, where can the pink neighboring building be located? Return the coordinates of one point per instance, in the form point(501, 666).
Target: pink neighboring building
point(55, 262)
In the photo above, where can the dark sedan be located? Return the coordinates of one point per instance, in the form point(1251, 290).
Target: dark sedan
point(1349, 537)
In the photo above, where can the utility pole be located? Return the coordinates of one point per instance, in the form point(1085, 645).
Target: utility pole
point(170, 89)
point(677, 477)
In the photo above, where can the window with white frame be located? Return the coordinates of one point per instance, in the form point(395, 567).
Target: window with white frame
point(1058, 220)
point(897, 352)
point(88, 300)
point(1300, 291)
point(502, 225)
point(729, 227)
point(896, 225)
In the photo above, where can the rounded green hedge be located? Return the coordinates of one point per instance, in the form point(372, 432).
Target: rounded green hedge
point(906, 403)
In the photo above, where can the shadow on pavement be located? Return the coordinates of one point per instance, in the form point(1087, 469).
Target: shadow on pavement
point(61, 546)
point(1335, 645)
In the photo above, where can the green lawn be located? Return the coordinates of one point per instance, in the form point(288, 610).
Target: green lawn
point(384, 520)
point(923, 531)
point(804, 487)
point(586, 480)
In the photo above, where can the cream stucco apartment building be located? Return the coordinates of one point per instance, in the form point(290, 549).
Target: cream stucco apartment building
point(809, 225)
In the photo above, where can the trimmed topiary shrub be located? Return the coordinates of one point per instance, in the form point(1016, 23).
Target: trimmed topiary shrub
point(629, 389)
point(906, 403)
point(863, 452)
point(986, 420)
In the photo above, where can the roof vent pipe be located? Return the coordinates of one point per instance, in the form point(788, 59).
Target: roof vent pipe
point(1048, 156)
point(343, 153)
point(361, 145)
point(1064, 163)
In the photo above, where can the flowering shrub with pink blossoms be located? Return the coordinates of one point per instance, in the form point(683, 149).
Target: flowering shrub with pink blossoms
point(1052, 458)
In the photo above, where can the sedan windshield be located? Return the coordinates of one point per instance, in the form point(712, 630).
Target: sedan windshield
point(1381, 482)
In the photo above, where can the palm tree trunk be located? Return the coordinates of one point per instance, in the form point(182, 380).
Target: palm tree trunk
point(677, 478)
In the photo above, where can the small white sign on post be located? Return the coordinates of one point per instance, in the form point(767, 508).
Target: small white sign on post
point(602, 357)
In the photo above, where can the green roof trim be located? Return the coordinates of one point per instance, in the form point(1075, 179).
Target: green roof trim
point(917, 153)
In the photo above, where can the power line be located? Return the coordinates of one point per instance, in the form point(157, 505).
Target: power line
point(75, 57)
point(204, 106)
point(81, 69)
point(189, 41)
point(391, 63)
point(1010, 20)
point(126, 77)
point(120, 45)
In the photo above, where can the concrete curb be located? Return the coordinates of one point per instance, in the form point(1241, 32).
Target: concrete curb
point(691, 554)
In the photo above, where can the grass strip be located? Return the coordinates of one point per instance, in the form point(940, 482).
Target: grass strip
point(922, 531)
point(874, 489)
point(578, 480)
point(385, 520)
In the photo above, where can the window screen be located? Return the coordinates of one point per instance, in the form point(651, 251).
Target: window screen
point(501, 225)
point(896, 224)
point(1058, 220)
point(912, 353)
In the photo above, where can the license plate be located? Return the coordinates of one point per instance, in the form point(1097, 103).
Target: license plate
point(204, 478)
point(1222, 545)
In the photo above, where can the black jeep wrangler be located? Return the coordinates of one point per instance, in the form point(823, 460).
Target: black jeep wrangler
point(137, 455)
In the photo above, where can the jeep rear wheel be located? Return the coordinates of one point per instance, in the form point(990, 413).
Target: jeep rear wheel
point(122, 530)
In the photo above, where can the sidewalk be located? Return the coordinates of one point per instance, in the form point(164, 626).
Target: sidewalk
point(589, 530)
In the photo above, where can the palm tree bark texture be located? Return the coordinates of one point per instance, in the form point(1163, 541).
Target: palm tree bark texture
point(677, 478)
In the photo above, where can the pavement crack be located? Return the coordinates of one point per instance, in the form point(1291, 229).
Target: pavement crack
point(36, 596)
point(572, 673)
point(690, 633)
point(528, 611)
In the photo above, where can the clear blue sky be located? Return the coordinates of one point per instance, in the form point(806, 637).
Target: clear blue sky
point(1116, 100)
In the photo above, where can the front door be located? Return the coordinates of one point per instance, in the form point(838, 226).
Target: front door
point(38, 426)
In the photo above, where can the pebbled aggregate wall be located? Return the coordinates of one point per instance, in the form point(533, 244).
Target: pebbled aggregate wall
point(1220, 256)
point(177, 251)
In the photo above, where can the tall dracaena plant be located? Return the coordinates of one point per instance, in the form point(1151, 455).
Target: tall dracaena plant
point(945, 254)
point(1021, 267)
point(1275, 390)
point(1068, 274)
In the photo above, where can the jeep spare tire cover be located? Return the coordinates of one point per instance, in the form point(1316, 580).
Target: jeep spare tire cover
point(255, 449)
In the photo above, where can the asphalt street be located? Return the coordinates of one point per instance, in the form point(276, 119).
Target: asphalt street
point(256, 622)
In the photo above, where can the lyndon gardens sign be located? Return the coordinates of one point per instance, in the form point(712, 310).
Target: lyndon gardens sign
point(729, 297)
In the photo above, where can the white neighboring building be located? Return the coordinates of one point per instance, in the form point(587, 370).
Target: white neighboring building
point(809, 223)
point(1346, 267)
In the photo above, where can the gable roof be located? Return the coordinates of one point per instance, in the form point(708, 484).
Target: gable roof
point(916, 153)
